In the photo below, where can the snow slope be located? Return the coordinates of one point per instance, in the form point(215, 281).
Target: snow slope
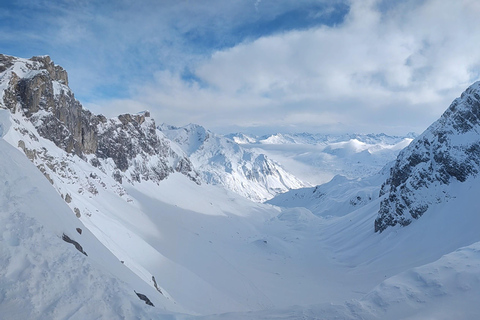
point(427, 270)
point(442, 290)
point(337, 197)
point(42, 276)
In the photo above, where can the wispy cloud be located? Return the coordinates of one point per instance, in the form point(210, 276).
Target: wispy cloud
point(393, 71)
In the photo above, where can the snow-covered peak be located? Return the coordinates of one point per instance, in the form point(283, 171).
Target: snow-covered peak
point(277, 139)
point(318, 139)
point(241, 138)
point(190, 137)
point(223, 161)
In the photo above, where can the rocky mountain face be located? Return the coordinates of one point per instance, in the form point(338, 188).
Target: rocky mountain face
point(221, 161)
point(447, 152)
point(128, 147)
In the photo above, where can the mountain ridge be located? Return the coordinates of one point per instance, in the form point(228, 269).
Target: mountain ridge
point(38, 89)
point(448, 150)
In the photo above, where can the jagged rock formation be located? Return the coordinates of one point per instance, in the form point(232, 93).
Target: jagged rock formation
point(39, 90)
point(132, 142)
point(449, 150)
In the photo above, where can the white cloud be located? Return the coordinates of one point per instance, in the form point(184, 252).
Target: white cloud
point(392, 71)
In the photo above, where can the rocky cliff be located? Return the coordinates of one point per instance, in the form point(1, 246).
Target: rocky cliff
point(38, 89)
point(447, 152)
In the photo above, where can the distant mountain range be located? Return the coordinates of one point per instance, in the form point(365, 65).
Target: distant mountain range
point(317, 158)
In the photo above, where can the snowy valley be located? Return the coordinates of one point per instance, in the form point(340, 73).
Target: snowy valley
point(100, 216)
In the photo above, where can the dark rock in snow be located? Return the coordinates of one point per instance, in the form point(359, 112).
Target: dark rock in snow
point(156, 285)
point(144, 298)
point(75, 243)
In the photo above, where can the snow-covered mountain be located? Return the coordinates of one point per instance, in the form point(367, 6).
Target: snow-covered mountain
point(317, 158)
point(317, 138)
point(119, 215)
point(222, 161)
point(425, 172)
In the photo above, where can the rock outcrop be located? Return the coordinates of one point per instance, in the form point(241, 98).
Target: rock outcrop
point(133, 144)
point(448, 151)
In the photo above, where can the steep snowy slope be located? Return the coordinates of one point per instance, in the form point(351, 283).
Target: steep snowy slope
point(100, 202)
point(448, 151)
point(45, 277)
point(317, 158)
point(222, 161)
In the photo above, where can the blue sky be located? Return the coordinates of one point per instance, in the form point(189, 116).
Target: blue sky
point(258, 65)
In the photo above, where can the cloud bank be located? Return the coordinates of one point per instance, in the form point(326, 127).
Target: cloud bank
point(263, 66)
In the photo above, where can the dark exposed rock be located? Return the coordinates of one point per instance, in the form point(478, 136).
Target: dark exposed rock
point(448, 150)
point(42, 169)
point(57, 73)
point(75, 243)
point(5, 62)
point(79, 230)
point(132, 142)
point(144, 298)
point(156, 285)
point(66, 123)
point(31, 154)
